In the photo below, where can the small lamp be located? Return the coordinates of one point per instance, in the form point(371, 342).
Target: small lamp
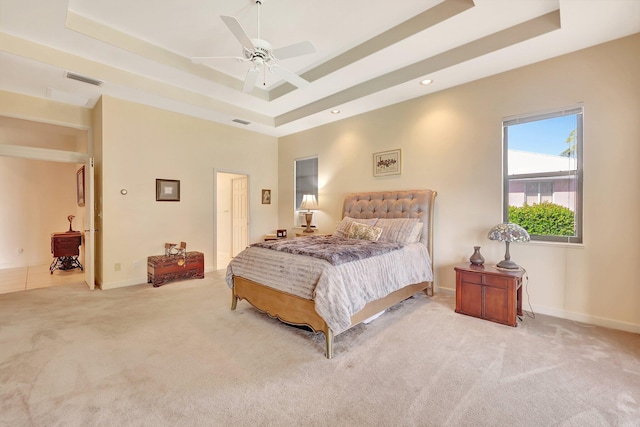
point(508, 232)
point(309, 202)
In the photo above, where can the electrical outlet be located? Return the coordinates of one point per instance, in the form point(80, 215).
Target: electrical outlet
point(116, 266)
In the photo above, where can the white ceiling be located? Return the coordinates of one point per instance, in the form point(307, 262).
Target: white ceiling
point(369, 54)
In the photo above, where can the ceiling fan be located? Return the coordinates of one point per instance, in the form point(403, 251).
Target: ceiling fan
point(261, 54)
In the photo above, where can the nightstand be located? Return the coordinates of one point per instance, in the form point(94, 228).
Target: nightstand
point(315, 233)
point(489, 293)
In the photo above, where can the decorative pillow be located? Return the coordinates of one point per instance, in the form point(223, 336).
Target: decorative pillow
point(364, 232)
point(343, 228)
point(398, 230)
point(416, 233)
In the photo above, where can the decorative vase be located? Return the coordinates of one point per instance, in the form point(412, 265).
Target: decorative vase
point(476, 258)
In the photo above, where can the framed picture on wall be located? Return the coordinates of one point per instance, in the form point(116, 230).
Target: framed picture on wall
point(387, 163)
point(167, 190)
point(266, 197)
point(80, 186)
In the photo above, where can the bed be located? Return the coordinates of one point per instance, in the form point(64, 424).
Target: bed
point(331, 293)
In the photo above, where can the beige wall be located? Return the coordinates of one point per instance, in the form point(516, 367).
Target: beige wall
point(140, 144)
point(43, 110)
point(451, 142)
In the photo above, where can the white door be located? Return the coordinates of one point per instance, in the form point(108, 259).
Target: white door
point(89, 225)
point(239, 216)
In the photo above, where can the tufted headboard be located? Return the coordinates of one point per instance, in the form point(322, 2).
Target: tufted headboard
point(395, 204)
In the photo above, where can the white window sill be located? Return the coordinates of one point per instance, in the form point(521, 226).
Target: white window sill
point(556, 244)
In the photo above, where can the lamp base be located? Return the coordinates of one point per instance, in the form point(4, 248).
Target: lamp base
point(307, 217)
point(507, 264)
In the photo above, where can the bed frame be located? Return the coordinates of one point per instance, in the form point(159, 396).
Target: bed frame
point(295, 310)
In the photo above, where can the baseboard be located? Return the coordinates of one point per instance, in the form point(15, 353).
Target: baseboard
point(570, 315)
point(589, 319)
point(131, 282)
point(448, 291)
point(122, 284)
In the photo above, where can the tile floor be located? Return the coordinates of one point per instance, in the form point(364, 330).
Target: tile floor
point(33, 277)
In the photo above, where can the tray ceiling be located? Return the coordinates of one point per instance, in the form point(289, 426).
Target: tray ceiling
point(368, 54)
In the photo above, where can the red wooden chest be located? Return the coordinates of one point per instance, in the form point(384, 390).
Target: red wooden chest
point(167, 268)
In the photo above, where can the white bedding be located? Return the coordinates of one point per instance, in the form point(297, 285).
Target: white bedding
point(338, 291)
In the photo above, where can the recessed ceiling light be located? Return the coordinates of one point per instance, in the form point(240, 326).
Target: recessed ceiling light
point(426, 82)
point(336, 111)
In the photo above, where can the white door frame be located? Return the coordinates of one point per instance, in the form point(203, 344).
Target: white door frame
point(89, 225)
point(216, 171)
point(239, 224)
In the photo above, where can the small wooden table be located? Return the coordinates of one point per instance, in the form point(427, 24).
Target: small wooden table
point(489, 293)
point(65, 248)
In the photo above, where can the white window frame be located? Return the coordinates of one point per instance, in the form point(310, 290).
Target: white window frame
point(299, 217)
point(578, 111)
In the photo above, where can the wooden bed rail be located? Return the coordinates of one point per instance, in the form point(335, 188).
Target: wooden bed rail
point(299, 311)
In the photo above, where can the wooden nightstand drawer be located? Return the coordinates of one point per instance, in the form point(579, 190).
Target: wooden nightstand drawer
point(499, 282)
point(471, 277)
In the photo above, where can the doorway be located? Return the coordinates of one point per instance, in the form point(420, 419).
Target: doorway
point(231, 216)
point(42, 161)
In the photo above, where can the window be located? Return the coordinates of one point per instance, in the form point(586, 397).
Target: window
point(538, 191)
point(306, 182)
point(543, 175)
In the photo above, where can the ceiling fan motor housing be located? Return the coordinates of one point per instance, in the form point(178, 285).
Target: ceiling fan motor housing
point(262, 50)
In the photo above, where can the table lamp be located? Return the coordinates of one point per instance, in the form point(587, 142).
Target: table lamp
point(309, 202)
point(508, 232)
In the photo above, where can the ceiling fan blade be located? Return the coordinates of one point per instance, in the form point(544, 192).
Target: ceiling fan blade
point(297, 49)
point(203, 59)
point(238, 31)
point(250, 79)
point(292, 78)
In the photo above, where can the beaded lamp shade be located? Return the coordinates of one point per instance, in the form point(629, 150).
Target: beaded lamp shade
point(508, 232)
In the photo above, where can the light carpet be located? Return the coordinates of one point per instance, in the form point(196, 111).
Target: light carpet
point(178, 356)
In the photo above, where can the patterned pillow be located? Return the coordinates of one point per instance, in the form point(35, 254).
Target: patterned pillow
point(364, 232)
point(398, 230)
point(416, 233)
point(342, 230)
